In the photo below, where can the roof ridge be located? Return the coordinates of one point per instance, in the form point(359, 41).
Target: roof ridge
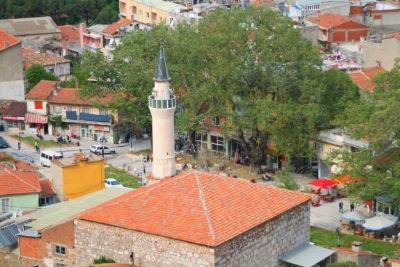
point(365, 75)
point(204, 205)
point(22, 180)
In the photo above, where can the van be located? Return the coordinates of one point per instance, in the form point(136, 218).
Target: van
point(47, 156)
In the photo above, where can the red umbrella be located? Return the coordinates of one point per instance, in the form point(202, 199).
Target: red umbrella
point(324, 183)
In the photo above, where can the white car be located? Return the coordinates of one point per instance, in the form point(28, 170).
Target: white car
point(111, 182)
point(98, 150)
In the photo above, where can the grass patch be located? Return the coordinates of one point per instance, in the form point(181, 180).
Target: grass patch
point(30, 140)
point(123, 177)
point(326, 238)
point(144, 152)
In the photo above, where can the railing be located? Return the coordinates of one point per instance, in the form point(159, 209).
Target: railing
point(338, 139)
point(162, 103)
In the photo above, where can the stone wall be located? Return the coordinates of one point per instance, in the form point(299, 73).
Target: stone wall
point(262, 245)
point(93, 240)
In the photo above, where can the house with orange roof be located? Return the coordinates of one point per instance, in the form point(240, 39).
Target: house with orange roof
point(199, 219)
point(70, 40)
point(381, 52)
point(335, 29)
point(55, 64)
point(364, 78)
point(12, 86)
point(88, 118)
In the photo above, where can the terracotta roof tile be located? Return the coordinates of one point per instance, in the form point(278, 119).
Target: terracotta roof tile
point(7, 40)
point(47, 188)
point(364, 78)
point(16, 109)
point(113, 28)
point(14, 182)
point(330, 20)
point(32, 56)
point(42, 90)
point(69, 34)
point(197, 207)
point(71, 96)
point(20, 165)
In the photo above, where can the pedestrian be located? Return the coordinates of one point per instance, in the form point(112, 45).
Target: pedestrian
point(144, 169)
point(148, 157)
point(352, 206)
point(19, 145)
point(36, 147)
point(341, 206)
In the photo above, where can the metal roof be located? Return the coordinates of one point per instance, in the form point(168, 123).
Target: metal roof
point(8, 235)
point(306, 255)
point(161, 69)
point(60, 212)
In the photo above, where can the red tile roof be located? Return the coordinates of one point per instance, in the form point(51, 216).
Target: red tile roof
point(47, 188)
point(32, 56)
point(364, 78)
point(42, 90)
point(7, 40)
point(113, 28)
point(69, 34)
point(197, 207)
point(14, 182)
point(15, 110)
point(71, 96)
point(330, 20)
point(23, 166)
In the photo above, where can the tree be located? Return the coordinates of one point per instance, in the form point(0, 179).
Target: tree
point(250, 66)
point(35, 73)
point(286, 179)
point(107, 15)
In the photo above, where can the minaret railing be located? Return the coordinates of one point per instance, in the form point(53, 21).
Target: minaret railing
point(162, 103)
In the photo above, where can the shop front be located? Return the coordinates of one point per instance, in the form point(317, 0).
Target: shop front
point(36, 123)
point(15, 117)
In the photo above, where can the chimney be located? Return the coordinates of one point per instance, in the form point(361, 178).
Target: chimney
point(82, 30)
point(356, 246)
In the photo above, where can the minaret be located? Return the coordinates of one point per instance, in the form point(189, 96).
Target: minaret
point(162, 105)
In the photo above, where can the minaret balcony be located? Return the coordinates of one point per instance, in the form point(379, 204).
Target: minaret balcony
point(162, 103)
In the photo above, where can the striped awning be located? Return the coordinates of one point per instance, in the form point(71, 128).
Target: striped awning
point(35, 118)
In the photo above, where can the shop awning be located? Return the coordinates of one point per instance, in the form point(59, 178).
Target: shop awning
point(306, 255)
point(35, 118)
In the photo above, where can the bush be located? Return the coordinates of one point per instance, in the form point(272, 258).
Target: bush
point(35, 73)
point(103, 259)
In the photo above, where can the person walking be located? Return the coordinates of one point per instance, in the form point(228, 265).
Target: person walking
point(19, 145)
point(144, 169)
point(352, 206)
point(36, 147)
point(341, 206)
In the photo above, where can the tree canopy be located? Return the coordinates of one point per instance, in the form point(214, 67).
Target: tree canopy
point(249, 66)
point(66, 11)
point(35, 73)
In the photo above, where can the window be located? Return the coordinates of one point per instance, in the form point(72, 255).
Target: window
point(44, 201)
point(86, 110)
point(216, 121)
point(60, 250)
point(147, 14)
point(5, 205)
point(57, 109)
point(201, 140)
point(217, 143)
point(38, 105)
point(134, 10)
point(103, 111)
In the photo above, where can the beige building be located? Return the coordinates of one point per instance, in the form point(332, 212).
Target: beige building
point(383, 52)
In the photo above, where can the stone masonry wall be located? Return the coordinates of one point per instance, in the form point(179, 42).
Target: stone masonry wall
point(93, 240)
point(263, 245)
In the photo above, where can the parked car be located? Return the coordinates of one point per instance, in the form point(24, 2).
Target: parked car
point(111, 182)
point(47, 156)
point(98, 150)
point(3, 143)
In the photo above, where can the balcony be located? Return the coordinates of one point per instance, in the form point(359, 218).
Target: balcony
point(162, 103)
point(336, 137)
point(72, 116)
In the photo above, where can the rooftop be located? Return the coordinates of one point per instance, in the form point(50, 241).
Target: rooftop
point(330, 20)
point(72, 161)
point(7, 40)
point(13, 182)
point(364, 78)
point(48, 216)
point(47, 188)
point(69, 34)
point(196, 207)
point(71, 96)
point(116, 26)
point(29, 26)
point(42, 90)
point(32, 56)
point(167, 6)
point(15, 110)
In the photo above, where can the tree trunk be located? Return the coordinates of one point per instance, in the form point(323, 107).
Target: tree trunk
point(254, 148)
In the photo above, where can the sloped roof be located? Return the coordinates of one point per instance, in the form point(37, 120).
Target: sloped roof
point(113, 28)
point(29, 26)
point(330, 20)
point(42, 90)
point(364, 78)
point(71, 96)
point(16, 109)
point(197, 207)
point(47, 188)
point(14, 182)
point(7, 40)
point(32, 56)
point(69, 34)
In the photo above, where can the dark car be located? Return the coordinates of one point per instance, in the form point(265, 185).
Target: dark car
point(3, 143)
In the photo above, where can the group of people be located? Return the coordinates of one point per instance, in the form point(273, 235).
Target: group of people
point(341, 206)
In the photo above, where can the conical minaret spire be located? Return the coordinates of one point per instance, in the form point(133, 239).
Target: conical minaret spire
point(161, 68)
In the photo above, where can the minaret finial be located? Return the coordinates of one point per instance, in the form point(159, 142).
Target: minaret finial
point(161, 69)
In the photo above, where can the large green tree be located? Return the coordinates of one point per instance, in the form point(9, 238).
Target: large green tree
point(250, 66)
point(35, 73)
